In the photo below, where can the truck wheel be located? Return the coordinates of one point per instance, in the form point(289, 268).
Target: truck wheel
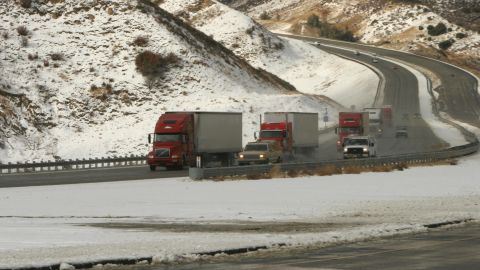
point(152, 167)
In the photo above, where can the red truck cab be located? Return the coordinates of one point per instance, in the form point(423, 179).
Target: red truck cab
point(279, 132)
point(351, 123)
point(171, 141)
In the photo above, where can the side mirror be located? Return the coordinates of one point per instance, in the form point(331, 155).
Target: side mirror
point(372, 144)
point(149, 138)
point(284, 134)
point(255, 135)
point(336, 130)
point(184, 138)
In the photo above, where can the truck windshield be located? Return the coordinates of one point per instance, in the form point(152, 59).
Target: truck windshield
point(356, 142)
point(167, 138)
point(256, 147)
point(349, 130)
point(271, 134)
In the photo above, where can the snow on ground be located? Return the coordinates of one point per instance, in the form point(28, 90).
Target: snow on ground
point(44, 225)
point(93, 102)
point(309, 69)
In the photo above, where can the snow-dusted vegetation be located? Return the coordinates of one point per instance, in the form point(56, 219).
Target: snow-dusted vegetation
point(87, 79)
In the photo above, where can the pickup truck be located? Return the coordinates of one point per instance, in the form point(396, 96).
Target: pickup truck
point(260, 153)
point(359, 147)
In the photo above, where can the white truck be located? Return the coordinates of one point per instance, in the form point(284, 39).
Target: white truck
point(375, 120)
point(359, 147)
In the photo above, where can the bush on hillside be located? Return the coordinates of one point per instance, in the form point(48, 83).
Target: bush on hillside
point(149, 63)
point(141, 41)
point(461, 35)
point(444, 45)
point(22, 30)
point(26, 3)
point(313, 21)
point(437, 30)
point(265, 16)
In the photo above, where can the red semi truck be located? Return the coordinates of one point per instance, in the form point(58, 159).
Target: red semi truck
point(351, 123)
point(196, 139)
point(296, 132)
point(387, 115)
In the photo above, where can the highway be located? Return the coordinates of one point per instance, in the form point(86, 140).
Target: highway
point(401, 91)
point(459, 90)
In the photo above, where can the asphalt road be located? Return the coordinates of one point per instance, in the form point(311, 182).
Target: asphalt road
point(441, 249)
point(85, 176)
point(459, 92)
point(400, 91)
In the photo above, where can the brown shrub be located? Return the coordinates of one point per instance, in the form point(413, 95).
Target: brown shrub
point(150, 63)
point(32, 57)
point(328, 170)
point(276, 172)
point(141, 41)
point(102, 93)
point(22, 30)
point(26, 3)
point(5, 35)
point(354, 169)
point(56, 56)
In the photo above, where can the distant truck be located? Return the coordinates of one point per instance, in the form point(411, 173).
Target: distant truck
point(375, 118)
point(351, 123)
point(296, 132)
point(387, 115)
point(359, 147)
point(260, 153)
point(196, 139)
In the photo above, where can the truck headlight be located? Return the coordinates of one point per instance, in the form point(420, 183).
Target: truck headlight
point(174, 156)
point(241, 156)
point(345, 150)
point(365, 149)
point(151, 156)
point(262, 155)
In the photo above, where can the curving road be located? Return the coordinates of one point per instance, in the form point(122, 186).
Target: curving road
point(401, 91)
point(458, 93)
point(460, 98)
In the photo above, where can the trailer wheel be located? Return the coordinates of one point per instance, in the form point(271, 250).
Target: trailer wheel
point(152, 167)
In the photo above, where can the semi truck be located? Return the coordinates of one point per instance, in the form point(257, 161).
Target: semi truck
point(196, 139)
point(387, 115)
point(375, 118)
point(296, 132)
point(351, 123)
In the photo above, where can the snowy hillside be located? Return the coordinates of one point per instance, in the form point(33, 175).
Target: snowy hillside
point(391, 24)
point(71, 88)
point(309, 69)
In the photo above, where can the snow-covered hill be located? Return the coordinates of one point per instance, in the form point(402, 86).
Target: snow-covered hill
point(394, 24)
point(310, 70)
point(70, 86)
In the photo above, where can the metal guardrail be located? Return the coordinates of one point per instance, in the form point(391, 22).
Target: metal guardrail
point(76, 164)
point(259, 170)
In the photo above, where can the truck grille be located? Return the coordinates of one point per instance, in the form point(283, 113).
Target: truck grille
point(162, 153)
point(251, 157)
point(355, 151)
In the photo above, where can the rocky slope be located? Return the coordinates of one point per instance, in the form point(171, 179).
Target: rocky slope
point(74, 84)
point(405, 25)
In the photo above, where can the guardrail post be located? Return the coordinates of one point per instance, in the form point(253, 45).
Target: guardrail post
point(9, 170)
point(33, 166)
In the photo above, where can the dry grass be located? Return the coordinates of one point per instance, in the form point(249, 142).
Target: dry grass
point(328, 170)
